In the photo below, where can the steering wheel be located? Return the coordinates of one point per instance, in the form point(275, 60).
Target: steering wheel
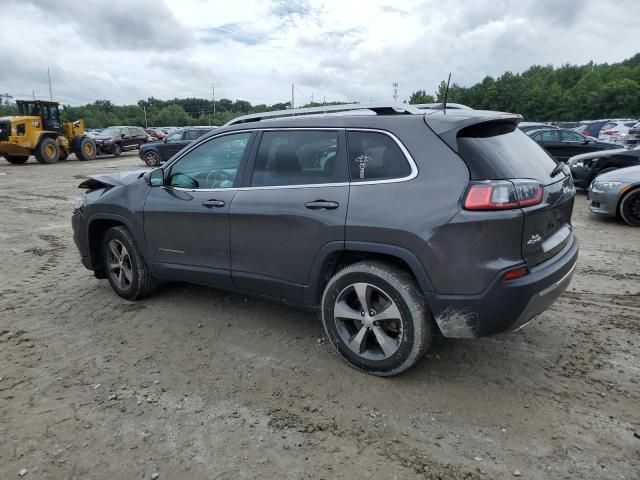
point(216, 177)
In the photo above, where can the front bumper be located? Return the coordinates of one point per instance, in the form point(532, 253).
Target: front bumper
point(505, 306)
point(79, 224)
point(104, 147)
point(604, 203)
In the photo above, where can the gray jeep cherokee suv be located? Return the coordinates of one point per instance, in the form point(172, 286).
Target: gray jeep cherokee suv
point(395, 225)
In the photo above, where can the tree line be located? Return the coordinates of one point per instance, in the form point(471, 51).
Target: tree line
point(541, 93)
point(545, 93)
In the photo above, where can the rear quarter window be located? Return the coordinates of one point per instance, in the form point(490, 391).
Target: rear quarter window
point(375, 156)
point(499, 150)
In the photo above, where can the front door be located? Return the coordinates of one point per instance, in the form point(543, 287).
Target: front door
point(186, 222)
point(172, 145)
point(294, 203)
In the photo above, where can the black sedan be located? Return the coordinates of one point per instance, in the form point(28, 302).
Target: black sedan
point(586, 167)
point(563, 144)
point(156, 153)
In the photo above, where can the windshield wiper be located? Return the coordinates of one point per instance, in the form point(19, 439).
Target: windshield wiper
point(557, 169)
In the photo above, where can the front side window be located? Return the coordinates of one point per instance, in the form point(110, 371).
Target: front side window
point(296, 157)
point(212, 164)
point(550, 136)
point(175, 137)
point(572, 137)
point(375, 156)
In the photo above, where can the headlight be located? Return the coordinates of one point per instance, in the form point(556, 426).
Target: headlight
point(78, 202)
point(108, 140)
point(604, 186)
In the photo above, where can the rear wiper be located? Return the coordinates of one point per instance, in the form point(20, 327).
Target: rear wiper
point(557, 169)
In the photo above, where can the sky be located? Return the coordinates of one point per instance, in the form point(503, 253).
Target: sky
point(340, 50)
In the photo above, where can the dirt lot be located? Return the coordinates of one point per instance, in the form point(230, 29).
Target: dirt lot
point(199, 383)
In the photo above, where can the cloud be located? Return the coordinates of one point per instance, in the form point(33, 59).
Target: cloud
point(255, 49)
point(115, 24)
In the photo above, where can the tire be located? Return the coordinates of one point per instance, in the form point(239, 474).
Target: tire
point(63, 156)
point(86, 149)
point(117, 149)
point(125, 268)
point(16, 159)
point(629, 208)
point(404, 337)
point(48, 151)
point(152, 158)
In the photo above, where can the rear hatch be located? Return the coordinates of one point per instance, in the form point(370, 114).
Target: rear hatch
point(497, 150)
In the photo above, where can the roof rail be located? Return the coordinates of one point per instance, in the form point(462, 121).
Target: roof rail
point(377, 108)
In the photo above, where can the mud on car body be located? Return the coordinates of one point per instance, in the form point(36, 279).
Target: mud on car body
point(394, 225)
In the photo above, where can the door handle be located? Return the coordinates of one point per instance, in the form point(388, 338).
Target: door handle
point(213, 203)
point(322, 205)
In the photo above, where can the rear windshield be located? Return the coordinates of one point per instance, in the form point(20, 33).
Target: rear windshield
point(499, 150)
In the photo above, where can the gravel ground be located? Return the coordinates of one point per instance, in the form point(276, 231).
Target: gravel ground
point(199, 383)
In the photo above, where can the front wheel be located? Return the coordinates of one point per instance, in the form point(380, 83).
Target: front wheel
point(630, 208)
point(151, 158)
point(117, 150)
point(126, 270)
point(375, 317)
point(87, 149)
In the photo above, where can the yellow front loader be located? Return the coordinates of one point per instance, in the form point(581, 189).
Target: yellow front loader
point(37, 130)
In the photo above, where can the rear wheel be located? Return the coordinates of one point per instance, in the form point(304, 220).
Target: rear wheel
point(126, 270)
point(151, 158)
point(86, 149)
point(630, 208)
point(16, 159)
point(63, 156)
point(117, 150)
point(48, 151)
point(374, 315)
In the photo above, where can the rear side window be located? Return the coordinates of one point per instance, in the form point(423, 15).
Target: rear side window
point(498, 150)
point(296, 157)
point(571, 137)
point(375, 156)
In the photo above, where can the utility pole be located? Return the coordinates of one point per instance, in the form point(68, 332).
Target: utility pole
point(144, 109)
point(293, 103)
point(213, 96)
point(33, 93)
point(395, 91)
point(50, 91)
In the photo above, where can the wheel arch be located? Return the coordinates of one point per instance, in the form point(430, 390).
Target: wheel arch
point(336, 255)
point(633, 188)
point(96, 228)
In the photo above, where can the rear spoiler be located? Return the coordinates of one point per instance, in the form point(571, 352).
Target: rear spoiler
point(448, 124)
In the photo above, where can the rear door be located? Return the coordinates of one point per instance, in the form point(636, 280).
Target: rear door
point(294, 203)
point(511, 155)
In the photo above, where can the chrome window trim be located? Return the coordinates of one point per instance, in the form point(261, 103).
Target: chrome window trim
point(408, 157)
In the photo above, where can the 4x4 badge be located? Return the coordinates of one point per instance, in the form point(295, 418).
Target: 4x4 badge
point(535, 238)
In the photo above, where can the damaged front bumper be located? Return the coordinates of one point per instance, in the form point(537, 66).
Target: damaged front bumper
point(505, 306)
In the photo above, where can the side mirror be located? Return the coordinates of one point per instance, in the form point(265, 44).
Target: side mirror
point(154, 178)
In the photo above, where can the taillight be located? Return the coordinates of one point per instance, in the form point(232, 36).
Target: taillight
point(503, 195)
point(609, 132)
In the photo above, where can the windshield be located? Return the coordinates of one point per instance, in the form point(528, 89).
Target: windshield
point(111, 131)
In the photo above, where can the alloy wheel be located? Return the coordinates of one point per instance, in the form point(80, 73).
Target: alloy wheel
point(119, 264)
point(368, 321)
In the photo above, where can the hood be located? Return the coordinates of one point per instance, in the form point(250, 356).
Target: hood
point(626, 175)
point(116, 179)
point(601, 153)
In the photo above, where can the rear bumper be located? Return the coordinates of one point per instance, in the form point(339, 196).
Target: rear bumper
point(505, 306)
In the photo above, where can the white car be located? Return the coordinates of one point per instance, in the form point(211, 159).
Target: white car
point(616, 130)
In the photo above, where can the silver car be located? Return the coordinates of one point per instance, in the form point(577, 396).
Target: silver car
point(617, 194)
